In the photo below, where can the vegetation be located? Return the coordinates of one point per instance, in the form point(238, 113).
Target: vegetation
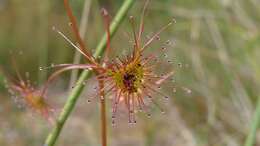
point(214, 49)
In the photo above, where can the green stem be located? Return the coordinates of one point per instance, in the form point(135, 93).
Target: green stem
point(250, 140)
point(75, 93)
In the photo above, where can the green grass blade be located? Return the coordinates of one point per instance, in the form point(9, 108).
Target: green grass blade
point(250, 140)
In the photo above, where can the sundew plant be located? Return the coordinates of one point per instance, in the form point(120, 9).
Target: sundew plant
point(124, 73)
point(130, 79)
point(27, 95)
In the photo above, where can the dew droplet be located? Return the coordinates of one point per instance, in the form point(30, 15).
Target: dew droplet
point(174, 90)
point(180, 65)
point(89, 101)
point(163, 48)
point(70, 23)
point(149, 115)
point(174, 20)
point(40, 68)
point(113, 116)
point(187, 90)
point(168, 42)
point(169, 61)
point(113, 123)
point(165, 55)
point(53, 28)
point(102, 97)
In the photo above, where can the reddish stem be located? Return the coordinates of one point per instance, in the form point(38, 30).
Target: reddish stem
point(103, 113)
point(75, 30)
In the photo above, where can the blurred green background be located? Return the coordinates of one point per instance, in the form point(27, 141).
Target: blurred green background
point(216, 41)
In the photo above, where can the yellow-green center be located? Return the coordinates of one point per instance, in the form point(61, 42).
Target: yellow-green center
point(129, 78)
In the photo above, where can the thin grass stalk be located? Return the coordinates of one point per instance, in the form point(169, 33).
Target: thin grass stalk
point(82, 31)
point(251, 138)
point(42, 15)
point(75, 93)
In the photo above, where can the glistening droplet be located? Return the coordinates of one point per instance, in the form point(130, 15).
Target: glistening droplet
point(180, 65)
point(168, 42)
point(174, 90)
point(113, 123)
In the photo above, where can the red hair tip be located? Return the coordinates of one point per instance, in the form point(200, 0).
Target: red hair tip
point(104, 12)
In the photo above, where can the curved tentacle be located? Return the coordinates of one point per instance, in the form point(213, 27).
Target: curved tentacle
point(66, 67)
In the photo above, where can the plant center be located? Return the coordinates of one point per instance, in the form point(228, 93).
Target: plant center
point(129, 78)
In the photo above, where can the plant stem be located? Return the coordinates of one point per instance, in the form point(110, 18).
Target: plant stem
point(250, 140)
point(71, 101)
point(103, 113)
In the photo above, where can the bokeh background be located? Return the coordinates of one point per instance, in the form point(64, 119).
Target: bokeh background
point(215, 49)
